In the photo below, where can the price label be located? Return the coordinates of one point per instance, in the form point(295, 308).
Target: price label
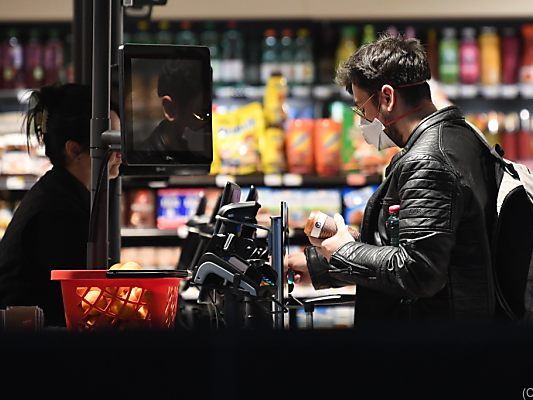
point(468, 91)
point(292, 180)
point(273, 180)
point(15, 183)
point(491, 91)
point(510, 91)
point(220, 180)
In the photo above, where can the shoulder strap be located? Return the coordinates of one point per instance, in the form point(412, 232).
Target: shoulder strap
point(496, 151)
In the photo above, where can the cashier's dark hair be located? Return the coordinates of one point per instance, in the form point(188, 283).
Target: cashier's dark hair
point(392, 60)
point(56, 114)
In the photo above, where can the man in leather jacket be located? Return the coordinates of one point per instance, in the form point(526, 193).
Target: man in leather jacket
point(443, 180)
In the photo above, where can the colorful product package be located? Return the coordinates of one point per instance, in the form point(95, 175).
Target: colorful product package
point(299, 146)
point(272, 149)
point(354, 201)
point(327, 146)
point(343, 114)
point(176, 206)
point(235, 140)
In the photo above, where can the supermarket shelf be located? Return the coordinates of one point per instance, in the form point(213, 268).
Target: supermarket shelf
point(17, 182)
point(286, 180)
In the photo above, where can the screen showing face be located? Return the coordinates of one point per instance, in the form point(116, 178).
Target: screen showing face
point(169, 116)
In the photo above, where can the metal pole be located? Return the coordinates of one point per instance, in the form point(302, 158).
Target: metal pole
point(115, 185)
point(83, 69)
point(97, 250)
point(276, 248)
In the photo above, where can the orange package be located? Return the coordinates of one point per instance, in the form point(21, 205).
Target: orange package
point(327, 146)
point(299, 146)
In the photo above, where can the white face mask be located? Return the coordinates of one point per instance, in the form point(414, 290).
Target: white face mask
point(374, 134)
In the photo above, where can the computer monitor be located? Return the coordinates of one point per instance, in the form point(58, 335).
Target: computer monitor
point(165, 109)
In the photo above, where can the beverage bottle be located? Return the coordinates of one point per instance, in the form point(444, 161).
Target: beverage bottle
point(143, 34)
point(33, 61)
point(163, 35)
point(186, 36)
point(493, 131)
point(392, 31)
point(347, 45)
point(286, 55)
point(209, 37)
point(524, 136)
point(526, 70)
point(469, 68)
point(449, 57)
point(433, 53)
point(393, 225)
point(326, 53)
point(53, 58)
point(511, 126)
point(510, 48)
point(410, 32)
point(67, 71)
point(369, 34)
point(270, 62)
point(304, 69)
point(232, 56)
point(12, 61)
point(489, 46)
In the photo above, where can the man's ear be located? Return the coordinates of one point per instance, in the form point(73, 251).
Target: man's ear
point(169, 108)
point(388, 97)
point(73, 149)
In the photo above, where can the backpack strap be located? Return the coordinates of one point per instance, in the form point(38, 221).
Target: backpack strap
point(496, 152)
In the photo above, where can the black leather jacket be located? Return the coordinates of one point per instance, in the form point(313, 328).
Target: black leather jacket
point(444, 182)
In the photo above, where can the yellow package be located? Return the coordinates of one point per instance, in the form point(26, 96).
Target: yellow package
point(235, 136)
point(274, 101)
point(272, 149)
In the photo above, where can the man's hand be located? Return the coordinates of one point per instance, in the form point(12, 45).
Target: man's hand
point(328, 246)
point(298, 264)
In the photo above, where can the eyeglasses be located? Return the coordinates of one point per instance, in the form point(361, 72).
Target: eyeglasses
point(359, 110)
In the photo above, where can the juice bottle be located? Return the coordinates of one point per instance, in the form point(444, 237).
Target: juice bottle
point(209, 37)
point(12, 61)
point(410, 32)
point(33, 57)
point(489, 45)
point(449, 57)
point(469, 68)
point(232, 55)
point(510, 49)
point(433, 53)
point(163, 35)
point(304, 68)
point(286, 55)
point(53, 58)
point(270, 62)
point(511, 127)
point(524, 136)
point(526, 70)
point(186, 36)
point(347, 45)
point(369, 34)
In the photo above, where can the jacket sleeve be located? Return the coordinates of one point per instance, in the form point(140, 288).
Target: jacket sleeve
point(431, 202)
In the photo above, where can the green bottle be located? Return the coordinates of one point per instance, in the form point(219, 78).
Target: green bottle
point(449, 57)
point(369, 34)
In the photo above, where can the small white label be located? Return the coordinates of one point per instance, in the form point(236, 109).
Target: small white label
point(491, 91)
point(468, 91)
point(320, 220)
point(292, 179)
point(510, 91)
point(273, 180)
point(15, 183)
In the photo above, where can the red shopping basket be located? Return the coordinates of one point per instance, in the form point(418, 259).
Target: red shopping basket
point(94, 302)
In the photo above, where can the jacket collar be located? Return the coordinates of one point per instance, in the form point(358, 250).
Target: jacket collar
point(444, 114)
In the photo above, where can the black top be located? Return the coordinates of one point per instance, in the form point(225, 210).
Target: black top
point(48, 231)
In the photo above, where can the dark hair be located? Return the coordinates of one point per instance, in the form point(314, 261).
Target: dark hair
point(389, 60)
point(59, 113)
point(179, 80)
